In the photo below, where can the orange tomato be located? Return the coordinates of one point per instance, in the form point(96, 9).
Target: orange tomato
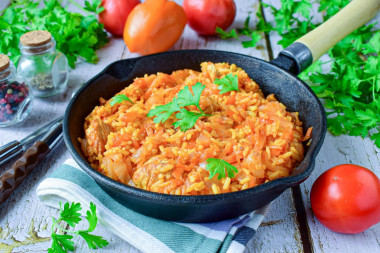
point(154, 26)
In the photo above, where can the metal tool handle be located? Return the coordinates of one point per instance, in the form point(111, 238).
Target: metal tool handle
point(10, 150)
point(14, 176)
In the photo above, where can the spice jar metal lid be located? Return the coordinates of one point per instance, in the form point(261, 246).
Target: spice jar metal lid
point(35, 38)
point(4, 62)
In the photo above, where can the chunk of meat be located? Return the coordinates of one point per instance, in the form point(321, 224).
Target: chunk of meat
point(152, 174)
point(117, 166)
point(96, 135)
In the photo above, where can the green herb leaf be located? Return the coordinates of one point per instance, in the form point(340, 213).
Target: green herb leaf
point(70, 214)
point(226, 35)
point(118, 99)
point(163, 112)
point(186, 119)
point(93, 241)
point(253, 34)
point(219, 166)
point(94, 6)
point(185, 98)
point(92, 218)
point(376, 138)
point(368, 117)
point(61, 243)
point(227, 83)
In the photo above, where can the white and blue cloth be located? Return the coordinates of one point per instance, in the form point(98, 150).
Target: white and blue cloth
point(70, 183)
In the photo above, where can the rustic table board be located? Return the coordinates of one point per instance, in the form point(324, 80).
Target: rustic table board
point(25, 223)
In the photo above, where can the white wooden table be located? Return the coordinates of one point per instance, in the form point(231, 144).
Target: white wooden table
point(25, 223)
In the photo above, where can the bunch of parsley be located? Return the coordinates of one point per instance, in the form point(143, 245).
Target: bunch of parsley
point(350, 82)
point(76, 35)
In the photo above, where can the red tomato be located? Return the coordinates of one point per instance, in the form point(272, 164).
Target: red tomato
point(115, 14)
point(205, 15)
point(346, 199)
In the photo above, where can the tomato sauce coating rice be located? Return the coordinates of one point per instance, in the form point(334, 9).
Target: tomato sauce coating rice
point(252, 132)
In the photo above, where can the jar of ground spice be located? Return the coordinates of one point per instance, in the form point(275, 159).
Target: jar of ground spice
point(15, 97)
point(43, 67)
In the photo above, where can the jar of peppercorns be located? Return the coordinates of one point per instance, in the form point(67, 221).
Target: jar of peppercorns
point(44, 68)
point(15, 97)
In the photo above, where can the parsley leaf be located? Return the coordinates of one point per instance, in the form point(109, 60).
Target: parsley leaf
point(226, 35)
point(93, 241)
point(61, 243)
point(163, 112)
point(253, 34)
point(70, 214)
point(220, 166)
point(292, 20)
point(92, 218)
point(186, 119)
point(227, 83)
point(118, 99)
point(185, 98)
point(93, 7)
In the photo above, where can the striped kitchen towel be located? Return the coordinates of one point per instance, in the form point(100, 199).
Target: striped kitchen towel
point(70, 183)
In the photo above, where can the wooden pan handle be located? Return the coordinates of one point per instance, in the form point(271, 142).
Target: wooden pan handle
point(14, 176)
point(351, 17)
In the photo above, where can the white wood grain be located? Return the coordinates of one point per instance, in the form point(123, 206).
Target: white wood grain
point(337, 150)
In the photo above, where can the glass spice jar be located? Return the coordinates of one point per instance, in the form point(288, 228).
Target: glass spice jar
point(43, 67)
point(15, 97)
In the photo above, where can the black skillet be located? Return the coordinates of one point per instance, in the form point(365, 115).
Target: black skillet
point(278, 77)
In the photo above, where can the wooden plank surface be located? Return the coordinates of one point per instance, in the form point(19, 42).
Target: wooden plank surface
point(25, 223)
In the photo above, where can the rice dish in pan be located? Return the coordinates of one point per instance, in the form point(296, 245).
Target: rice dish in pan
point(243, 128)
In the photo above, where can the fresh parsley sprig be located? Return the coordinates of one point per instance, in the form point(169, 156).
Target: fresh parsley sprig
point(219, 166)
point(186, 119)
point(254, 35)
point(227, 83)
point(119, 99)
point(292, 20)
point(70, 214)
point(76, 35)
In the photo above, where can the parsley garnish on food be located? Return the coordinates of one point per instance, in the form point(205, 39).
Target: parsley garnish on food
point(186, 119)
point(70, 214)
point(350, 87)
point(227, 83)
point(119, 98)
point(76, 35)
point(220, 166)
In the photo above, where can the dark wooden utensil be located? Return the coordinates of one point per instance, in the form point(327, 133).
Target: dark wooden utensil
point(13, 177)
